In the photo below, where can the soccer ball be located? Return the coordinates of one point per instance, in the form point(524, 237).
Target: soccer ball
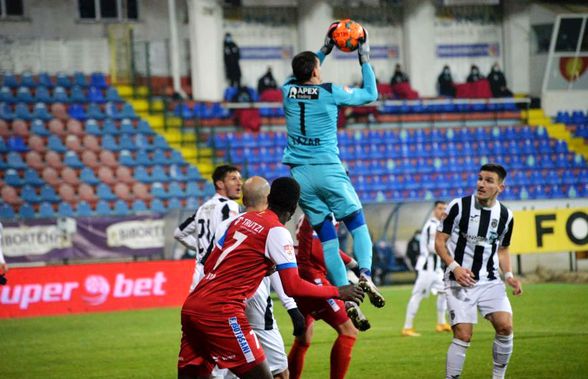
point(347, 34)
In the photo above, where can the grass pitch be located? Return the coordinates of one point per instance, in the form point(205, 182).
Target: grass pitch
point(551, 341)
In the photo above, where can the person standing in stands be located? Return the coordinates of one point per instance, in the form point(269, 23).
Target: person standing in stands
point(232, 57)
point(473, 242)
point(312, 153)
point(497, 82)
point(267, 81)
point(474, 75)
point(215, 328)
point(445, 83)
point(430, 275)
point(197, 231)
point(399, 75)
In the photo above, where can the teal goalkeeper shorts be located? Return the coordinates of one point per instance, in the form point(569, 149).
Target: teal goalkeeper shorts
point(325, 189)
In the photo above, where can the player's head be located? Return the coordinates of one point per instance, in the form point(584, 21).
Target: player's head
point(306, 67)
point(283, 197)
point(439, 209)
point(227, 181)
point(255, 192)
point(490, 182)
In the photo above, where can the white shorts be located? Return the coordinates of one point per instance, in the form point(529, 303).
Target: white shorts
point(427, 282)
point(273, 347)
point(486, 297)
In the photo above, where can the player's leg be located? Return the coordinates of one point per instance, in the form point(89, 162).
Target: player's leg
point(341, 351)
point(298, 350)
point(442, 325)
point(312, 179)
point(463, 315)
point(273, 347)
point(259, 371)
point(495, 306)
point(193, 362)
point(418, 293)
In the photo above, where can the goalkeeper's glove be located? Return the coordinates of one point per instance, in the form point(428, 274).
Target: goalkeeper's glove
point(297, 322)
point(363, 51)
point(329, 43)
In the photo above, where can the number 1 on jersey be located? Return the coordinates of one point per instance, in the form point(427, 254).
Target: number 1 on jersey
point(239, 238)
point(302, 121)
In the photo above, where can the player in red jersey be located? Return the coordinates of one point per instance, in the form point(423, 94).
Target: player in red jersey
point(311, 266)
point(214, 326)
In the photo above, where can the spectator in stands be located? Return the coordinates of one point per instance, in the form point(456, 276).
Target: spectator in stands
point(3, 265)
point(474, 75)
point(232, 56)
point(267, 81)
point(498, 82)
point(445, 83)
point(399, 76)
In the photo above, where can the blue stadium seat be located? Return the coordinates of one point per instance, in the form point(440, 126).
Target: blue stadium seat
point(126, 158)
point(46, 210)
point(157, 206)
point(126, 142)
point(26, 211)
point(83, 209)
point(42, 94)
point(126, 126)
point(103, 208)
point(175, 190)
point(98, 80)
point(127, 111)
point(3, 149)
point(176, 173)
point(77, 111)
point(6, 211)
point(55, 143)
point(193, 173)
point(62, 80)
point(95, 95)
point(159, 174)
point(142, 175)
point(45, 80)
point(87, 176)
point(65, 210)
point(92, 127)
point(60, 95)
point(94, 111)
point(160, 143)
point(40, 111)
point(10, 80)
point(160, 158)
point(192, 189)
point(109, 127)
point(120, 208)
point(184, 111)
point(104, 192)
point(32, 178)
point(78, 95)
point(79, 79)
point(21, 111)
point(109, 143)
point(23, 94)
point(112, 95)
point(144, 128)
point(72, 160)
point(139, 206)
point(142, 142)
point(27, 80)
point(48, 194)
point(6, 112)
point(174, 203)
point(177, 158)
point(143, 158)
point(29, 194)
point(6, 95)
point(14, 160)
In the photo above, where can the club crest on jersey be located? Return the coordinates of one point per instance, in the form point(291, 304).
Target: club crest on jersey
point(494, 223)
point(304, 93)
point(289, 249)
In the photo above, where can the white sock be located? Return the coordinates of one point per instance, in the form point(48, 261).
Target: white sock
point(455, 358)
point(441, 308)
point(501, 352)
point(412, 309)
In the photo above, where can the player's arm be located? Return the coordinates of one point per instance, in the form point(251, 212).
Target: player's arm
point(504, 260)
point(184, 233)
point(280, 248)
point(358, 96)
point(289, 303)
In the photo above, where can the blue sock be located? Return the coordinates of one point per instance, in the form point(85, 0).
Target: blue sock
point(362, 247)
point(336, 270)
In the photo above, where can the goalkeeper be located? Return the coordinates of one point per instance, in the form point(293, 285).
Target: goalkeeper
point(313, 156)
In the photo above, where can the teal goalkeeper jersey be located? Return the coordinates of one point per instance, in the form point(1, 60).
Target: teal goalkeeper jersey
point(311, 116)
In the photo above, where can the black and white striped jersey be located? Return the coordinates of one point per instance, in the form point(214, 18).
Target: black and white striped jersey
point(197, 231)
point(428, 260)
point(476, 233)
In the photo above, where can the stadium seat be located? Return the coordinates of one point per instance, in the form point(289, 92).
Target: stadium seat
point(95, 95)
point(23, 94)
point(94, 111)
point(45, 80)
point(120, 208)
point(65, 210)
point(48, 194)
point(31, 177)
point(98, 80)
point(6, 211)
point(46, 210)
point(139, 206)
point(26, 211)
point(79, 79)
point(112, 95)
point(78, 95)
point(83, 209)
point(87, 176)
point(29, 194)
point(9, 80)
point(102, 208)
point(157, 206)
point(42, 95)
